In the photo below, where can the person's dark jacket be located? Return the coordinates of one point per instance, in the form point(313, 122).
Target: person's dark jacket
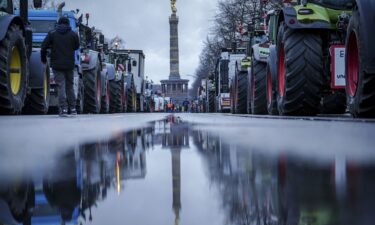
point(62, 42)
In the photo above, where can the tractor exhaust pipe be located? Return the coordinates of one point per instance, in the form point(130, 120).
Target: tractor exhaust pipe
point(59, 9)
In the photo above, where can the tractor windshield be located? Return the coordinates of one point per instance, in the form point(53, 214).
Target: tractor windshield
point(336, 4)
point(42, 26)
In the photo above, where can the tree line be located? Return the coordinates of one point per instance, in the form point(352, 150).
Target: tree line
point(231, 21)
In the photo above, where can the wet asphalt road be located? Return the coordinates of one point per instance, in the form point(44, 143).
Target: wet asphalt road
point(187, 169)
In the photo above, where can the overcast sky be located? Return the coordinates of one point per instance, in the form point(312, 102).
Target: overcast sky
point(143, 24)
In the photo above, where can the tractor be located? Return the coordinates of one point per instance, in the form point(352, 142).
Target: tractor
point(89, 79)
point(360, 60)
point(238, 75)
point(24, 79)
point(259, 52)
point(94, 80)
point(119, 99)
point(221, 81)
point(306, 74)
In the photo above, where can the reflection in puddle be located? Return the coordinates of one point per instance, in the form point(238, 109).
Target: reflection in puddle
point(170, 173)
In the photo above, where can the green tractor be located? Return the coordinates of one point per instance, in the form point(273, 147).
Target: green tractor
point(306, 74)
point(24, 79)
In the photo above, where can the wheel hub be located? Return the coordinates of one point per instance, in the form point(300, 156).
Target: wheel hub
point(15, 71)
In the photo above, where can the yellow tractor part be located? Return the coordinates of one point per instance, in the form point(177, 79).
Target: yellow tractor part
point(15, 71)
point(246, 62)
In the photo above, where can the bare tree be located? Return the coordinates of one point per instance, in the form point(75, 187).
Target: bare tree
point(230, 22)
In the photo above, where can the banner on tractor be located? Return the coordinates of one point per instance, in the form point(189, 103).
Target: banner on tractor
point(338, 66)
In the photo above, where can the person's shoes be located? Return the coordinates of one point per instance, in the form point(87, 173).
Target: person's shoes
point(73, 112)
point(63, 113)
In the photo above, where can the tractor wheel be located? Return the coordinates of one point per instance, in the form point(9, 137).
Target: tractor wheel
point(258, 88)
point(211, 101)
point(13, 71)
point(92, 89)
point(300, 69)
point(37, 102)
point(334, 103)
point(271, 93)
point(233, 94)
point(106, 100)
point(242, 93)
point(80, 97)
point(359, 85)
point(138, 103)
point(130, 98)
point(115, 96)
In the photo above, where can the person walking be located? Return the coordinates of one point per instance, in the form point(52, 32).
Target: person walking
point(63, 42)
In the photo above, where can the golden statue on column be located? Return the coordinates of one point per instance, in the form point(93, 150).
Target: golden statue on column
point(173, 6)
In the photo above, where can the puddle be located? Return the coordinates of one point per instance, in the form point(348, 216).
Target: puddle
point(172, 173)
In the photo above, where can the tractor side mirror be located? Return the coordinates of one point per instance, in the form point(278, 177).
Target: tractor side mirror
point(101, 39)
point(134, 63)
point(37, 4)
point(129, 67)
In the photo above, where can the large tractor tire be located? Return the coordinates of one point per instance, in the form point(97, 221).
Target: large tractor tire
point(360, 86)
point(37, 102)
point(131, 98)
point(233, 95)
point(92, 90)
point(13, 71)
point(80, 105)
point(300, 69)
point(242, 93)
point(258, 87)
point(211, 101)
point(105, 100)
point(271, 91)
point(116, 97)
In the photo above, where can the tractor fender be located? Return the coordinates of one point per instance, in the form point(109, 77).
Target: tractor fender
point(6, 21)
point(289, 16)
point(366, 9)
point(111, 71)
point(37, 70)
point(94, 60)
point(271, 62)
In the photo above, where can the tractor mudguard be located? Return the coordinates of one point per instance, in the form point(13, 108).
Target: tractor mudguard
point(37, 70)
point(261, 52)
point(6, 20)
point(320, 18)
point(272, 59)
point(111, 71)
point(94, 58)
point(290, 18)
point(366, 9)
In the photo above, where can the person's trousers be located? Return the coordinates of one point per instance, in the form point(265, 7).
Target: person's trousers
point(65, 91)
